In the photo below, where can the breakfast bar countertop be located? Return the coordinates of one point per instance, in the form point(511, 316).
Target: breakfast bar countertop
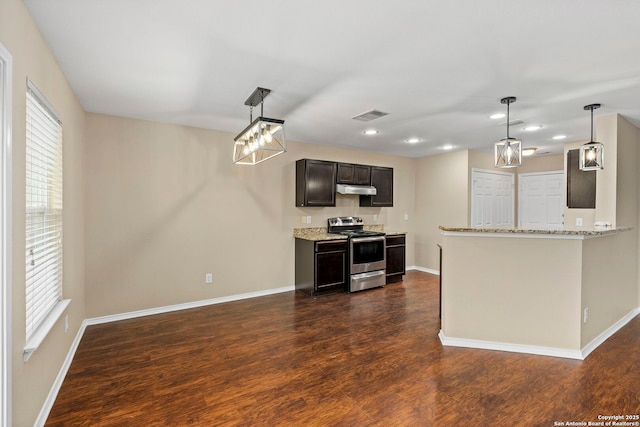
point(533, 232)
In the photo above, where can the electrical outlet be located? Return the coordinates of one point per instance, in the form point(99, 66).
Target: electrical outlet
point(208, 278)
point(586, 314)
point(406, 217)
point(66, 323)
point(579, 222)
point(308, 220)
point(375, 218)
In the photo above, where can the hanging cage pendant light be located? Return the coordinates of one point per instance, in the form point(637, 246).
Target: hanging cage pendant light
point(508, 151)
point(592, 153)
point(263, 138)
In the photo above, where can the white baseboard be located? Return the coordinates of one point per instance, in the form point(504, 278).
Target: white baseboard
point(185, 306)
point(423, 269)
point(55, 388)
point(542, 351)
point(609, 332)
point(514, 348)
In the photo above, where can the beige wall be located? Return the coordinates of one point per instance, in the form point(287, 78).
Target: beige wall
point(609, 281)
point(166, 205)
point(443, 194)
point(628, 193)
point(606, 180)
point(616, 261)
point(31, 58)
point(442, 188)
point(542, 163)
point(512, 290)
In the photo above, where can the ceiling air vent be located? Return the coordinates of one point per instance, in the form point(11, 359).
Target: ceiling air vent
point(369, 115)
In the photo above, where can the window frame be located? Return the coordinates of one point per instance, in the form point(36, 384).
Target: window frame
point(49, 152)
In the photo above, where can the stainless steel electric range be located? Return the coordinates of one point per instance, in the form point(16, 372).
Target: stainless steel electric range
point(367, 255)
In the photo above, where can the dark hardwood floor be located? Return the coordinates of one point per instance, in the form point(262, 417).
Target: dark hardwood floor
point(371, 358)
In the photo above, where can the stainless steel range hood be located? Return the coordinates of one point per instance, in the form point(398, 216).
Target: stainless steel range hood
point(364, 190)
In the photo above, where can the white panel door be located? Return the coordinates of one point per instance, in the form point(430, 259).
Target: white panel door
point(492, 199)
point(541, 200)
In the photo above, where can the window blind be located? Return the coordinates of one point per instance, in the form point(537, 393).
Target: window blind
point(43, 210)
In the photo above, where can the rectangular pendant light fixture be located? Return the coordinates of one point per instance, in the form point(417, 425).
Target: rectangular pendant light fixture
point(507, 152)
point(592, 156)
point(592, 153)
point(263, 138)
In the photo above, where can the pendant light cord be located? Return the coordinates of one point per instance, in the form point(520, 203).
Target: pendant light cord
point(508, 103)
point(591, 124)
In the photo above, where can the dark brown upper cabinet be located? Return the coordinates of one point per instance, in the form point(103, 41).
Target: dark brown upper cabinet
point(581, 185)
point(382, 179)
point(349, 173)
point(315, 183)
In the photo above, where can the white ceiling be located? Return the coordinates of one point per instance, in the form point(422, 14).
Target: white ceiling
point(439, 68)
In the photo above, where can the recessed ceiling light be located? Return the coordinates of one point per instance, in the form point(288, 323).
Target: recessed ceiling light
point(531, 128)
point(560, 137)
point(370, 132)
point(497, 116)
point(412, 140)
point(447, 147)
point(529, 151)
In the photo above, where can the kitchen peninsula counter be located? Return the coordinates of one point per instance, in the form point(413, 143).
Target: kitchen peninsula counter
point(524, 232)
point(535, 291)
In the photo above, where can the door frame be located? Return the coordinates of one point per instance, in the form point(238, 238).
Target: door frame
point(561, 172)
point(474, 171)
point(6, 82)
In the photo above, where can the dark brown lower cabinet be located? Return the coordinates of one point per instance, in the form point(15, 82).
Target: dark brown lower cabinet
point(396, 254)
point(321, 266)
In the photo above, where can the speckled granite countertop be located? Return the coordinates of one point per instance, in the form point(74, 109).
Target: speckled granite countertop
point(320, 233)
point(522, 231)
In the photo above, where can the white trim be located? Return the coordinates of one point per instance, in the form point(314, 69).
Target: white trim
point(540, 173)
point(586, 350)
point(45, 327)
point(423, 269)
point(31, 87)
point(514, 348)
point(543, 351)
point(6, 107)
point(55, 388)
point(185, 306)
point(492, 171)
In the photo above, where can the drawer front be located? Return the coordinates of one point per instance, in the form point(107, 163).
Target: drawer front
point(396, 240)
point(340, 245)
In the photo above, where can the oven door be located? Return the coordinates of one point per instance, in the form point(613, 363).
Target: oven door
point(367, 254)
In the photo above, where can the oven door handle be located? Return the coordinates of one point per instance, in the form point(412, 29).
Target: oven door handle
point(368, 274)
point(367, 239)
